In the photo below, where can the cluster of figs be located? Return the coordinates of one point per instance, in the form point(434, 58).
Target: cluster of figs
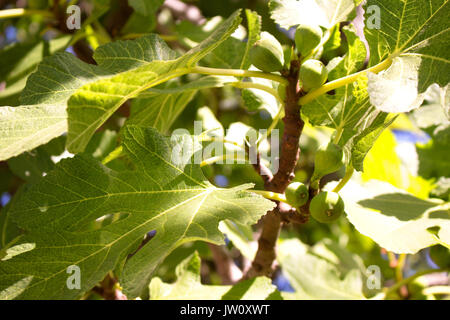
point(326, 206)
point(267, 55)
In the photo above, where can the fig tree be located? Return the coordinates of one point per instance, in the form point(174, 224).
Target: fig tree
point(297, 194)
point(267, 53)
point(329, 158)
point(307, 38)
point(313, 74)
point(326, 207)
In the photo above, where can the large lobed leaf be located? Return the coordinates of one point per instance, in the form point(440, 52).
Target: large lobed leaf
point(326, 13)
point(189, 287)
point(95, 102)
point(159, 107)
point(165, 193)
point(93, 93)
point(416, 35)
point(43, 115)
point(327, 273)
point(19, 60)
point(395, 219)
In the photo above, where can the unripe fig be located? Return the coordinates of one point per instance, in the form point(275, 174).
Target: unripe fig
point(329, 158)
point(267, 53)
point(312, 74)
point(297, 194)
point(307, 38)
point(326, 207)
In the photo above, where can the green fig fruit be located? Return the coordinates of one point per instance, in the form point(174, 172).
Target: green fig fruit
point(326, 207)
point(307, 38)
point(329, 158)
point(297, 194)
point(313, 74)
point(267, 53)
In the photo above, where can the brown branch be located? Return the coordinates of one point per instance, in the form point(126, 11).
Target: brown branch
point(225, 266)
point(84, 52)
point(293, 126)
point(260, 168)
point(117, 17)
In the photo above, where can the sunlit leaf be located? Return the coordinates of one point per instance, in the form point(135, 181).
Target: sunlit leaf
point(189, 287)
point(415, 33)
point(166, 193)
point(393, 218)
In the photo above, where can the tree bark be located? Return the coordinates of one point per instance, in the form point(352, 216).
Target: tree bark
point(272, 221)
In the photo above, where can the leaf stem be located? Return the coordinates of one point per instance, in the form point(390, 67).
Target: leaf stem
point(164, 37)
point(338, 136)
point(276, 119)
point(252, 85)
point(238, 73)
point(399, 284)
point(270, 195)
point(343, 81)
point(348, 174)
point(217, 159)
point(21, 12)
point(399, 267)
point(202, 138)
point(117, 152)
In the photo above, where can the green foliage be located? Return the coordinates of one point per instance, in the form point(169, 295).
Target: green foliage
point(440, 255)
point(189, 287)
point(288, 13)
point(389, 216)
point(95, 173)
point(323, 273)
point(406, 26)
point(171, 198)
point(19, 60)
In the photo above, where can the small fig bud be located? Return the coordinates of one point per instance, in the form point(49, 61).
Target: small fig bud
point(313, 74)
point(297, 194)
point(329, 158)
point(307, 38)
point(326, 207)
point(267, 53)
